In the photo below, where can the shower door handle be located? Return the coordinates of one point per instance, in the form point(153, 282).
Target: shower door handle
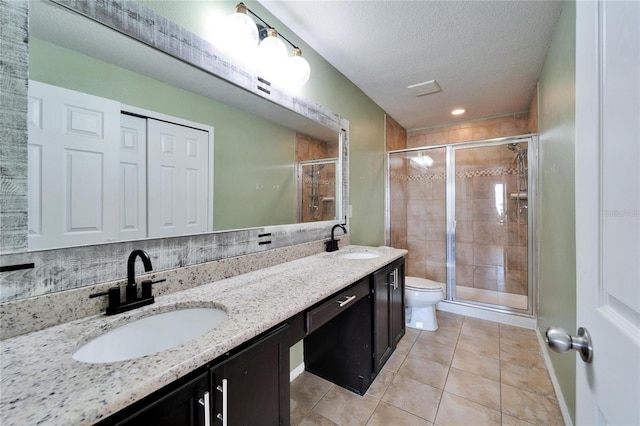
point(559, 340)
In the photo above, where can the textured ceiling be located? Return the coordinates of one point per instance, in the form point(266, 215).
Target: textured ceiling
point(486, 55)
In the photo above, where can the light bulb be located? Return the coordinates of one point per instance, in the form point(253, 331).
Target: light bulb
point(298, 69)
point(272, 54)
point(242, 34)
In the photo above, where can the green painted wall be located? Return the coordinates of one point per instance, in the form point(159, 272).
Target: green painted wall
point(331, 89)
point(557, 260)
point(254, 175)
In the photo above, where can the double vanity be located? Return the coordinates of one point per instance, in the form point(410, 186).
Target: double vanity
point(230, 347)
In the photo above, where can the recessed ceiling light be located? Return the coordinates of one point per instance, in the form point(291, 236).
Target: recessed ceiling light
point(458, 111)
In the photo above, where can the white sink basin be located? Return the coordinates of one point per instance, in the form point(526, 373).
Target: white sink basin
point(360, 255)
point(149, 335)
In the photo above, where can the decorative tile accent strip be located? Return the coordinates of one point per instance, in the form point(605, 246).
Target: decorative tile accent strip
point(438, 176)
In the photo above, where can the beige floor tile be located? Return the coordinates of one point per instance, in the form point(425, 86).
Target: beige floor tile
point(530, 407)
point(522, 357)
point(404, 345)
point(429, 372)
point(519, 337)
point(534, 380)
point(477, 364)
point(474, 388)
point(480, 328)
point(346, 408)
point(380, 383)
point(479, 345)
point(411, 334)
point(394, 362)
point(508, 420)
point(480, 324)
point(433, 351)
point(449, 321)
point(414, 397)
point(387, 415)
point(443, 336)
point(456, 411)
point(315, 419)
point(305, 391)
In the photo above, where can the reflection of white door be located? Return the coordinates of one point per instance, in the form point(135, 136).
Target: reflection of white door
point(607, 209)
point(133, 177)
point(178, 176)
point(73, 147)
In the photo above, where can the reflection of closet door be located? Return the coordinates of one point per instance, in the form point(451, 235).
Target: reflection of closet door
point(133, 177)
point(177, 174)
point(73, 147)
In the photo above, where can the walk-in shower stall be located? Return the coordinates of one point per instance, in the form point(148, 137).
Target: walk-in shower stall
point(317, 187)
point(465, 213)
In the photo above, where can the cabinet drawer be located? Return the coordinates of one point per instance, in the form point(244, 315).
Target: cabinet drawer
point(335, 305)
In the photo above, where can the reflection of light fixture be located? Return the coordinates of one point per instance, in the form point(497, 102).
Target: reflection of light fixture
point(270, 57)
point(458, 111)
point(423, 161)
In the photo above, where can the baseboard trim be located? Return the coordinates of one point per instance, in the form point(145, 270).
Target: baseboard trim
point(475, 312)
point(556, 385)
point(296, 372)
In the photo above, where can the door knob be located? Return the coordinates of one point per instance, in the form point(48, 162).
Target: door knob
point(561, 341)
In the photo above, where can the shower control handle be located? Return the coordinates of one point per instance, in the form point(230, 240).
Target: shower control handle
point(559, 340)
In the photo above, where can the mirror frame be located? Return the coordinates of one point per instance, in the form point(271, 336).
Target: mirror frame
point(47, 271)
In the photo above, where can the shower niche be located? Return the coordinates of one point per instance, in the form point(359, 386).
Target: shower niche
point(463, 211)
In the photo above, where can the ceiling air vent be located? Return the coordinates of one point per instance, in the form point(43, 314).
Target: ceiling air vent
point(425, 88)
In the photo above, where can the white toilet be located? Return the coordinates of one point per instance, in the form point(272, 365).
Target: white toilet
point(421, 296)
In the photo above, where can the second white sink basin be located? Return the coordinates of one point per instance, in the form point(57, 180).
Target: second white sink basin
point(149, 335)
point(360, 255)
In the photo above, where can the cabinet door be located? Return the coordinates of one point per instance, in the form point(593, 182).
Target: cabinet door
point(389, 310)
point(183, 406)
point(382, 336)
point(397, 303)
point(256, 382)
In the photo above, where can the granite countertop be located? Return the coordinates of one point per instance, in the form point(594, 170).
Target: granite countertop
point(42, 383)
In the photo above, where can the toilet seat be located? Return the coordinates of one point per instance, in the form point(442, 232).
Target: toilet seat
point(422, 284)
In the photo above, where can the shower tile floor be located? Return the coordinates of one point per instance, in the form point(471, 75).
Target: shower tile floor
point(468, 372)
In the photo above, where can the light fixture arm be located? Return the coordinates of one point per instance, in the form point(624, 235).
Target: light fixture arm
point(268, 26)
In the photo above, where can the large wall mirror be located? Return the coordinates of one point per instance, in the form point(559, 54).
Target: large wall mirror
point(262, 165)
point(275, 162)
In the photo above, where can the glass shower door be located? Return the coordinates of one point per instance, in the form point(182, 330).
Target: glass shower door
point(417, 210)
point(490, 248)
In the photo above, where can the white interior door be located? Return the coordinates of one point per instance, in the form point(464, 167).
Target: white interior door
point(178, 179)
point(133, 177)
point(607, 209)
point(73, 157)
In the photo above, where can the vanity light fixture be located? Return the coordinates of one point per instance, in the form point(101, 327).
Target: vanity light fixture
point(458, 111)
point(270, 55)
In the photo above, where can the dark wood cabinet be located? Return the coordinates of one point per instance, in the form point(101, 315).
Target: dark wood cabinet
point(339, 346)
point(256, 382)
point(389, 313)
point(182, 405)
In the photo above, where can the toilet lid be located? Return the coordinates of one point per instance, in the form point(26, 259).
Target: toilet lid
point(422, 284)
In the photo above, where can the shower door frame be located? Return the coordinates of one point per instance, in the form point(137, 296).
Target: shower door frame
point(450, 175)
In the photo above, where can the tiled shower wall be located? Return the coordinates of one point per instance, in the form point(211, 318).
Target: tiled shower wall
point(396, 138)
point(491, 251)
